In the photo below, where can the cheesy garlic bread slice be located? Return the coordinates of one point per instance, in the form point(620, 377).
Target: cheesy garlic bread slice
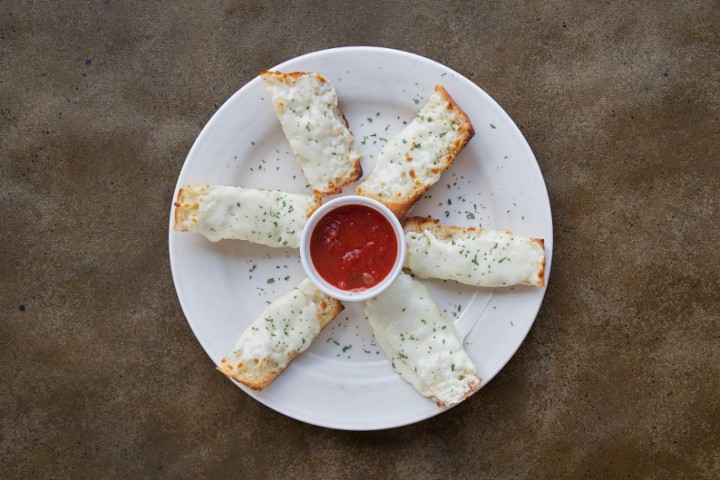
point(270, 217)
point(421, 342)
point(473, 256)
point(307, 107)
point(284, 329)
point(415, 158)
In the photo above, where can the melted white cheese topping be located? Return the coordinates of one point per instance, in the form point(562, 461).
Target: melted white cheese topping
point(270, 217)
point(308, 111)
point(416, 156)
point(421, 342)
point(285, 327)
point(485, 258)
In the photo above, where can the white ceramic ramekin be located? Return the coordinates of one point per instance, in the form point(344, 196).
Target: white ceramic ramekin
point(332, 290)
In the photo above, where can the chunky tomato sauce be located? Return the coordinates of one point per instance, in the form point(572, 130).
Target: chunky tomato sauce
point(353, 247)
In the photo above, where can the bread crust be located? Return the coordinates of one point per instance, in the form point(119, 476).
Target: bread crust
point(179, 212)
point(452, 105)
point(402, 206)
point(259, 373)
point(443, 232)
point(284, 76)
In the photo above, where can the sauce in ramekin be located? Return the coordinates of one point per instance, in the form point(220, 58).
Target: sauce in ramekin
point(353, 247)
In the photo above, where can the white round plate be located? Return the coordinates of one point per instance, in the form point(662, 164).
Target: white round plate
point(343, 381)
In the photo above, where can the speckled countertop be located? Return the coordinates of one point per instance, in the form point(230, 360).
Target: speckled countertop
point(101, 374)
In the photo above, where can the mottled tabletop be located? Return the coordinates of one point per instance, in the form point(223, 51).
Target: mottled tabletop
point(102, 377)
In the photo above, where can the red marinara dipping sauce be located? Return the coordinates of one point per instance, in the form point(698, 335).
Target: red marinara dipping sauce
point(353, 247)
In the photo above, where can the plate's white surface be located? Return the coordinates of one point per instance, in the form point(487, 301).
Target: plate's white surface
point(343, 380)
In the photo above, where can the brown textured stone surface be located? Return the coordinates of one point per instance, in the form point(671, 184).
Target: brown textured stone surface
point(100, 375)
